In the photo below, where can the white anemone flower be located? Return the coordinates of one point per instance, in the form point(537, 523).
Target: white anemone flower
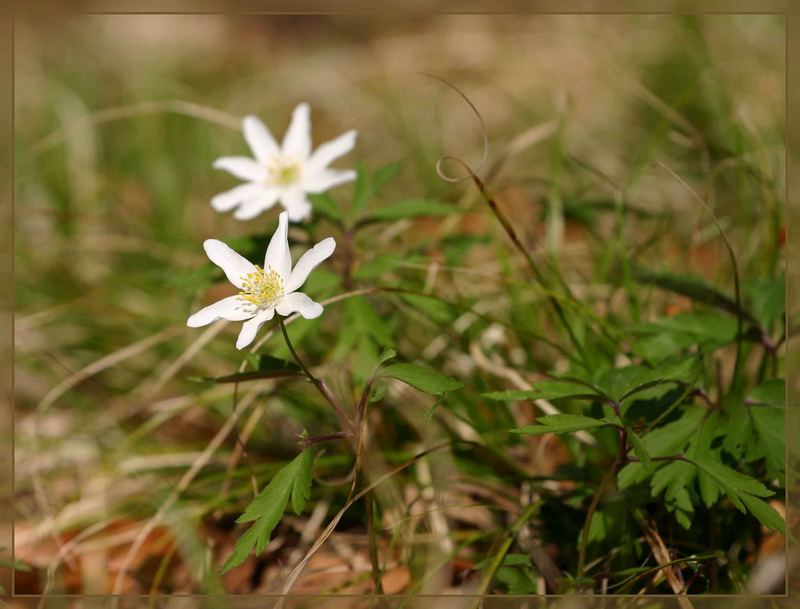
point(264, 291)
point(284, 173)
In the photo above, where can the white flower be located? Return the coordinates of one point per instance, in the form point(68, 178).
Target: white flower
point(263, 291)
point(286, 172)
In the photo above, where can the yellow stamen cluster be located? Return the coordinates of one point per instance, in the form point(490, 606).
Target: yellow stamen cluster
point(262, 287)
point(283, 172)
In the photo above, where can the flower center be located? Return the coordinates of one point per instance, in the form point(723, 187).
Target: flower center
point(262, 287)
point(283, 171)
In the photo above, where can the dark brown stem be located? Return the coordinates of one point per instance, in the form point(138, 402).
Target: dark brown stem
point(339, 435)
point(512, 234)
point(706, 398)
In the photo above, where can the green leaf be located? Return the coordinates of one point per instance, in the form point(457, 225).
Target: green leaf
point(668, 336)
point(545, 390)
point(388, 354)
point(324, 204)
point(383, 175)
point(598, 528)
point(362, 189)
point(519, 581)
point(683, 371)
point(377, 392)
point(640, 450)
point(772, 392)
point(767, 297)
point(621, 383)
point(743, 491)
point(268, 506)
point(663, 441)
point(688, 285)
point(734, 484)
point(510, 560)
point(560, 423)
point(409, 208)
point(765, 514)
point(770, 426)
point(701, 449)
point(424, 379)
point(703, 324)
point(363, 317)
point(301, 489)
point(431, 306)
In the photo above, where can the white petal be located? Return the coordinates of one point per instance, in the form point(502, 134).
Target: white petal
point(295, 203)
point(308, 262)
point(226, 201)
point(259, 139)
point(242, 167)
point(299, 302)
point(278, 255)
point(234, 265)
point(231, 308)
point(297, 141)
point(250, 328)
point(328, 152)
point(252, 207)
point(323, 180)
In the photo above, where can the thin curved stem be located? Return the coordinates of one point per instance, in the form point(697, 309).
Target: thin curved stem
point(320, 385)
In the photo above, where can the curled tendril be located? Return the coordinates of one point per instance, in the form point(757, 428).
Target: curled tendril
point(471, 174)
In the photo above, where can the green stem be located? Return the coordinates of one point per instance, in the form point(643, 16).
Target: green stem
point(622, 453)
point(497, 560)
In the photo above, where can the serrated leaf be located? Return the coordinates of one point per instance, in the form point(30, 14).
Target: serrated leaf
point(770, 426)
point(424, 379)
point(772, 392)
point(301, 489)
point(244, 545)
point(622, 383)
point(668, 336)
point(663, 442)
point(675, 475)
point(268, 506)
point(560, 423)
point(640, 450)
point(764, 513)
point(735, 485)
point(767, 296)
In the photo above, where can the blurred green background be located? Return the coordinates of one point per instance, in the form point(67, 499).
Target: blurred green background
point(118, 119)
